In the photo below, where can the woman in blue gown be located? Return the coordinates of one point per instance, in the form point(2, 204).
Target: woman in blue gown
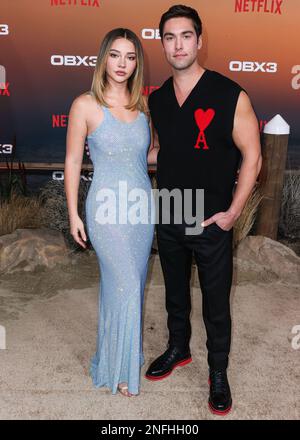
point(113, 116)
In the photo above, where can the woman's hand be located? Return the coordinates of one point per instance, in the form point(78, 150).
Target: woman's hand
point(152, 155)
point(77, 231)
point(87, 150)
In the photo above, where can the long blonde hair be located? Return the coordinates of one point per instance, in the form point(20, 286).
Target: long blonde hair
point(135, 82)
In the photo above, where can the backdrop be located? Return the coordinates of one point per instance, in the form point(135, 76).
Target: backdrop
point(49, 49)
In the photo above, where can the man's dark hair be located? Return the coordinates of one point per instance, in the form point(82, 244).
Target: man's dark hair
point(181, 11)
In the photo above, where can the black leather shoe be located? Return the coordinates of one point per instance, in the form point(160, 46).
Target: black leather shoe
point(165, 364)
point(219, 401)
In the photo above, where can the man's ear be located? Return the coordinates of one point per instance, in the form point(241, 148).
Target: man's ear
point(200, 42)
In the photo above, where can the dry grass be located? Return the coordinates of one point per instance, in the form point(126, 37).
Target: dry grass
point(55, 212)
point(18, 212)
point(289, 222)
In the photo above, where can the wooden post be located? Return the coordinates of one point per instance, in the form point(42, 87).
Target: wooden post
point(274, 153)
point(51, 166)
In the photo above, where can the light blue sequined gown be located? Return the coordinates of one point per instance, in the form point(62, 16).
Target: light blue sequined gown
point(118, 151)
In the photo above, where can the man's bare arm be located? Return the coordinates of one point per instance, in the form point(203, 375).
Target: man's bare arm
point(247, 139)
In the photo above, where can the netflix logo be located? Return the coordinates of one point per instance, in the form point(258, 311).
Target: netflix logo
point(149, 89)
point(265, 6)
point(262, 123)
point(60, 121)
point(92, 3)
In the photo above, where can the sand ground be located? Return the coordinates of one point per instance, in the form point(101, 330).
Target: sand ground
point(50, 319)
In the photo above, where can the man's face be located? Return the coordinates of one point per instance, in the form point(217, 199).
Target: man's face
point(180, 42)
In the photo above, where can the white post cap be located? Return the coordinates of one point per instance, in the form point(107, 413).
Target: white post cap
point(277, 125)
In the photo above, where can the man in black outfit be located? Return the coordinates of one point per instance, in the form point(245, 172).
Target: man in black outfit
point(205, 124)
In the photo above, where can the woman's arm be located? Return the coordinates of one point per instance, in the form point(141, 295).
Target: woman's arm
point(75, 140)
point(154, 146)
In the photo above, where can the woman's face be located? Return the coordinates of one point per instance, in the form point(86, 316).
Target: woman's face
point(121, 61)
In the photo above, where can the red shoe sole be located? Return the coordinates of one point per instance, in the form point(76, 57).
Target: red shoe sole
point(179, 364)
point(219, 413)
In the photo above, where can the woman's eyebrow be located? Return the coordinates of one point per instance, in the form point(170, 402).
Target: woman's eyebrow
point(115, 50)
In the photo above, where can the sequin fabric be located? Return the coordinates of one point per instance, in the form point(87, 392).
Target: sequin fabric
point(118, 151)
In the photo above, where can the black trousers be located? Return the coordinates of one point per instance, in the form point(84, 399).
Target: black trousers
point(212, 250)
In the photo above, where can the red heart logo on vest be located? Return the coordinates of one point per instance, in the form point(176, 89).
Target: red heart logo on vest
point(204, 118)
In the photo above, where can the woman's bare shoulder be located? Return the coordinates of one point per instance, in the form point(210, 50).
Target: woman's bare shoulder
point(84, 101)
point(84, 104)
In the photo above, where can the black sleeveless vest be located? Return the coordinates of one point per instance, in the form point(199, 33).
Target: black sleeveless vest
point(196, 145)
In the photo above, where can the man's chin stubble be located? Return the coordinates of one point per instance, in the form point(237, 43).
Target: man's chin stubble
point(182, 66)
